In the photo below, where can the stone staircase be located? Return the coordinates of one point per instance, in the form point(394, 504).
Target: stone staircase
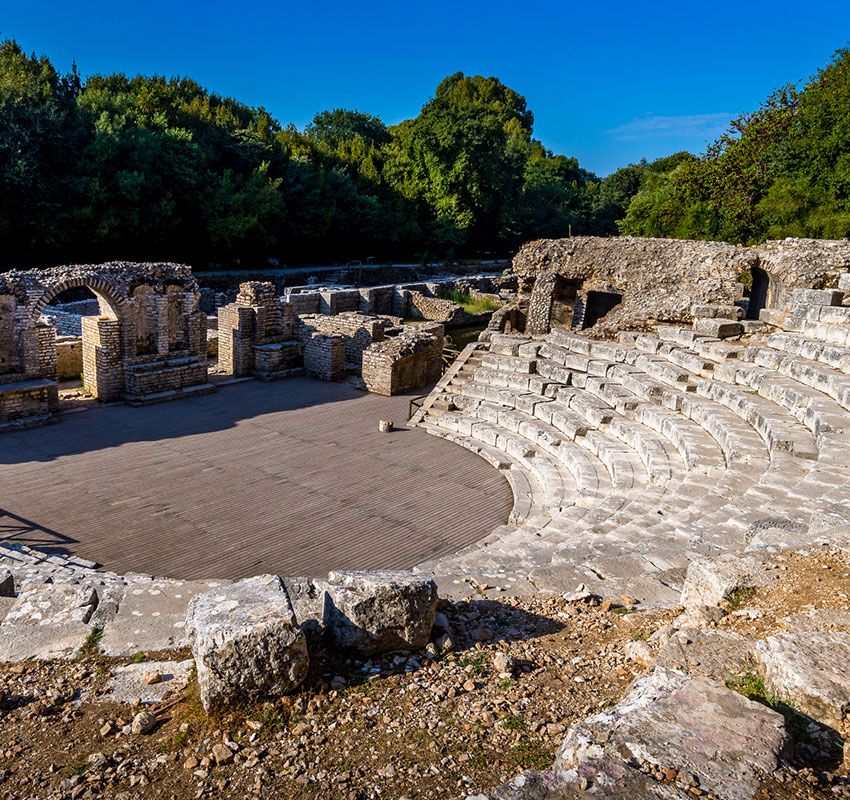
point(630, 459)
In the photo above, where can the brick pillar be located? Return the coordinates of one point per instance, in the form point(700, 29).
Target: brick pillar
point(46, 351)
point(235, 339)
point(103, 370)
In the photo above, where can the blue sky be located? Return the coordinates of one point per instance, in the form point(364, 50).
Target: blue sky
point(608, 82)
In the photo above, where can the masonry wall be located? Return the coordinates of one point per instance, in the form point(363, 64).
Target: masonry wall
point(360, 330)
point(402, 363)
point(324, 356)
point(69, 358)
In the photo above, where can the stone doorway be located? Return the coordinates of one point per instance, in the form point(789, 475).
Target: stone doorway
point(759, 293)
point(564, 302)
point(597, 305)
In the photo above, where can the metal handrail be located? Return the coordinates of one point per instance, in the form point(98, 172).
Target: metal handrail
point(415, 401)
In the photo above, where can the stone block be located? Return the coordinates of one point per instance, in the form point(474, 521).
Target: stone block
point(718, 328)
point(7, 584)
point(146, 682)
point(694, 726)
point(816, 297)
point(375, 612)
point(48, 620)
point(708, 581)
point(810, 672)
point(708, 653)
point(246, 642)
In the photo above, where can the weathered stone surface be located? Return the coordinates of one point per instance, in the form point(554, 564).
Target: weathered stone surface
point(127, 683)
point(309, 598)
point(375, 612)
point(708, 653)
point(7, 583)
point(151, 615)
point(817, 620)
point(718, 328)
point(708, 581)
point(48, 620)
point(810, 672)
point(694, 726)
point(144, 722)
point(246, 642)
point(608, 778)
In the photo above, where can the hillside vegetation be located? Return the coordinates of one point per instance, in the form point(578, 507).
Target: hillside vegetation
point(783, 170)
point(155, 167)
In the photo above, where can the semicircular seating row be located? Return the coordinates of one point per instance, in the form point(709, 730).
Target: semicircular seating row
point(627, 460)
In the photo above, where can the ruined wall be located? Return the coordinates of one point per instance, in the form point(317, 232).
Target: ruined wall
point(402, 363)
point(324, 356)
point(147, 330)
point(360, 330)
point(660, 279)
point(69, 357)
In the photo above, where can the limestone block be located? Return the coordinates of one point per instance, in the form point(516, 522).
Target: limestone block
point(810, 672)
point(246, 642)
point(130, 683)
point(844, 281)
point(706, 311)
point(692, 725)
point(309, 598)
point(374, 612)
point(48, 620)
point(816, 297)
point(7, 583)
point(708, 581)
point(718, 328)
point(708, 653)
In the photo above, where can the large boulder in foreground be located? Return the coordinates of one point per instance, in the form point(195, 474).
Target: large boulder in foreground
point(379, 612)
point(692, 729)
point(246, 642)
point(810, 672)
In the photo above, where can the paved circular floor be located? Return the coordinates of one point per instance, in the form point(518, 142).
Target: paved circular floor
point(289, 477)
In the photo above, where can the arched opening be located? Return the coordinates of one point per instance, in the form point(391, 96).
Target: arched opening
point(758, 293)
point(597, 305)
point(73, 314)
point(564, 302)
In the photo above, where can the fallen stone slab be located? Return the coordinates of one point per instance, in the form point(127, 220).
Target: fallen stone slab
point(710, 581)
point(132, 683)
point(692, 727)
point(246, 642)
point(378, 612)
point(48, 620)
point(151, 615)
point(810, 672)
point(609, 779)
point(708, 653)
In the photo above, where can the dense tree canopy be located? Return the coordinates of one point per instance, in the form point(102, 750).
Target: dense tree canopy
point(154, 167)
point(783, 170)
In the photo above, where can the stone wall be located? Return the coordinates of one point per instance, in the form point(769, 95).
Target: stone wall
point(69, 357)
point(324, 356)
point(661, 279)
point(403, 363)
point(256, 334)
point(360, 330)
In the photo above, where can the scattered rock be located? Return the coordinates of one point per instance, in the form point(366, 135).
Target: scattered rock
point(144, 722)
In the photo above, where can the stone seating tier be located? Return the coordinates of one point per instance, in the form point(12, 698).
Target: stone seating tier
point(672, 445)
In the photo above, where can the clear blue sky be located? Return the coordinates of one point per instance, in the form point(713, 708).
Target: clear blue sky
point(608, 82)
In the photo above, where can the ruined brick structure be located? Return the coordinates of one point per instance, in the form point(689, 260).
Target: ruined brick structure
point(359, 330)
point(255, 334)
point(404, 362)
point(611, 284)
point(147, 344)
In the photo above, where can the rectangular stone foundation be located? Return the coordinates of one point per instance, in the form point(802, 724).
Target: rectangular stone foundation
point(27, 403)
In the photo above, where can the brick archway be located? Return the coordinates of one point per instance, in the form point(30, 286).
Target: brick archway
point(102, 289)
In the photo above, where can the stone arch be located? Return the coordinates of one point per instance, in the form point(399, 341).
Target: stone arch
point(102, 289)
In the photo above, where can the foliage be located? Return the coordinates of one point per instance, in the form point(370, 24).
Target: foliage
point(150, 167)
point(470, 304)
point(783, 170)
